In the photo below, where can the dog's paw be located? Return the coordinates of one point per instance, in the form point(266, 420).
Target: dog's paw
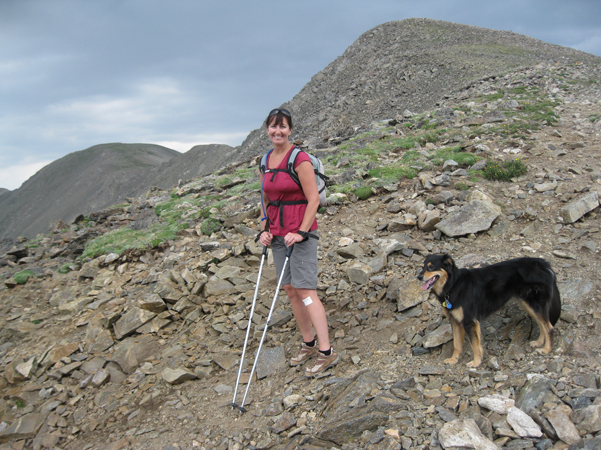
point(536, 344)
point(451, 361)
point(474, 364)
point(543, 351)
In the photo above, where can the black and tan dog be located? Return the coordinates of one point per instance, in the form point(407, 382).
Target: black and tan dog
point(470, 295)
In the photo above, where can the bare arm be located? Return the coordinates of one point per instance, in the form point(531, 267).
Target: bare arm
point(265, 237)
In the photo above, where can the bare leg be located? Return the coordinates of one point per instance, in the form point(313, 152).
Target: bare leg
point(312, 314)
point(300, 313)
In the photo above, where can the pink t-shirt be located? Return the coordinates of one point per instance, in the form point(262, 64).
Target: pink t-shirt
point(284, 189)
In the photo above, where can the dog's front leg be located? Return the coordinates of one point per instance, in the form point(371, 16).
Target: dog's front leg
point(458, 337)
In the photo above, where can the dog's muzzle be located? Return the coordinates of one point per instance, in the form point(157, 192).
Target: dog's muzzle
point(429, 283)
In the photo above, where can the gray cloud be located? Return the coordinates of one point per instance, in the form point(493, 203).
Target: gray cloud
point(74, 74)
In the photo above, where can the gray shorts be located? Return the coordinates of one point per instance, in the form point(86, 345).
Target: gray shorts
point(301, 269)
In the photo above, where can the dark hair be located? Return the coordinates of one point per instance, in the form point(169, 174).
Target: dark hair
point(279, 115)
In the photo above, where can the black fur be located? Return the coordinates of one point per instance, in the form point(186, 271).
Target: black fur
point(470, 295)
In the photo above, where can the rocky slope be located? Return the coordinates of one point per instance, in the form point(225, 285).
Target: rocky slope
point(140, 350)
point(410, 64)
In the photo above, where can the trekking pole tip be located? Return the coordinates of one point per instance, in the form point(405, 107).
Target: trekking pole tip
point(238, 407)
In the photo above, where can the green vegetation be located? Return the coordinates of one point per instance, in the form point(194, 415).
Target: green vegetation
point(454, 153)
point(65, 268)
point(174, 215)
point(541, 111)
point(393, 173)
point(210, 226)
point(504, 171)
point(410, 156)
point(519, 90)
point(363, 193)
point(494, 97)
point(125, 239)
point(23, 276)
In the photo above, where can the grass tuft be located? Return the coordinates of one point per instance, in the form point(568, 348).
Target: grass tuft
point(363, 193)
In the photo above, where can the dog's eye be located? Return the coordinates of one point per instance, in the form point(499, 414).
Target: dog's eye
point(430, 266)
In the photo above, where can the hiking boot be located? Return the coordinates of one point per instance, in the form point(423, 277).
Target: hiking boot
point(305, 353)
point(323, 362)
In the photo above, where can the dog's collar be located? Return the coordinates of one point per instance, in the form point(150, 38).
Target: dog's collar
point(446, 303)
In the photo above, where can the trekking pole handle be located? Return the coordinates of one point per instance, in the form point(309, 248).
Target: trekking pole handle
point(289, 251)
point(264, 250)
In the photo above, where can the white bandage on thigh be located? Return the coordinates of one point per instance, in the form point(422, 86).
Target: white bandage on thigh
point(307, 301)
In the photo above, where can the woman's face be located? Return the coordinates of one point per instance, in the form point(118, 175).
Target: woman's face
point(279, 134)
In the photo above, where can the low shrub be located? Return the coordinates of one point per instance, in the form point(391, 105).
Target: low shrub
point(210, 226)
point(65, 268)
point(504, 171)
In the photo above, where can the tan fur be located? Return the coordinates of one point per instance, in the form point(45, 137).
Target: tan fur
point(458, 337)
point(476, 345)
point(457, 314)
point(546, 330)
point(439, 285)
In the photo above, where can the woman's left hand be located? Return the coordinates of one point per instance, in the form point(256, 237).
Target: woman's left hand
point(292, 238)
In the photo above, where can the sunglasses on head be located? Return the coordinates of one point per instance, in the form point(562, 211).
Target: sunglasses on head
point(277, 111)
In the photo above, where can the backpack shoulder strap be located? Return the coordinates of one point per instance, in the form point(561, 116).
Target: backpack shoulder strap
point(263, 163)
point(290, 164)
point(292, 158)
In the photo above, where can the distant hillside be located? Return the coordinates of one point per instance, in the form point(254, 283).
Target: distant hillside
point(197, 162)
point(80, 182)
point(99, 177)
point(406, 65)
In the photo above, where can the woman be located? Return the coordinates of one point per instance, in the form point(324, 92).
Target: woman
point(294, 223)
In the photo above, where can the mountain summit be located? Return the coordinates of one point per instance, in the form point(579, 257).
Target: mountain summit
point(411, 64)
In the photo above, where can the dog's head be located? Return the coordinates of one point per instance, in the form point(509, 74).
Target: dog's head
point(436, 272)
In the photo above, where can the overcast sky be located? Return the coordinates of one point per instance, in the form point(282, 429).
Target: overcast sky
point(77, 73)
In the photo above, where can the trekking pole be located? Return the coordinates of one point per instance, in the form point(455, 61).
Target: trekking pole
point(275, 297)
point(252, 310)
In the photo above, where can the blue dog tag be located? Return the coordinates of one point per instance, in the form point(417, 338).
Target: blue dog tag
point(447, 304)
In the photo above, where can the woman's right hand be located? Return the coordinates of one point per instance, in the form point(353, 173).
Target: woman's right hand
point(265, 238)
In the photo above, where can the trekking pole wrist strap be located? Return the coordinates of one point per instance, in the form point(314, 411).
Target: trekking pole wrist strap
point(306, 235)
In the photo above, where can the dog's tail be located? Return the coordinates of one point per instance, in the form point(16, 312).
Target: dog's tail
point(555, 309)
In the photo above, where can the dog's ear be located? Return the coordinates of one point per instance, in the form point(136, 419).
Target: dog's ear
point(447, 263)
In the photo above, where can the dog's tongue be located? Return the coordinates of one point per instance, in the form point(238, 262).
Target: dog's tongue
point(428, 284)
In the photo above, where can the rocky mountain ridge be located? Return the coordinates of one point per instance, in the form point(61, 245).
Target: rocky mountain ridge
point(140, 349)
point(412, 64)
point(404, 65)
